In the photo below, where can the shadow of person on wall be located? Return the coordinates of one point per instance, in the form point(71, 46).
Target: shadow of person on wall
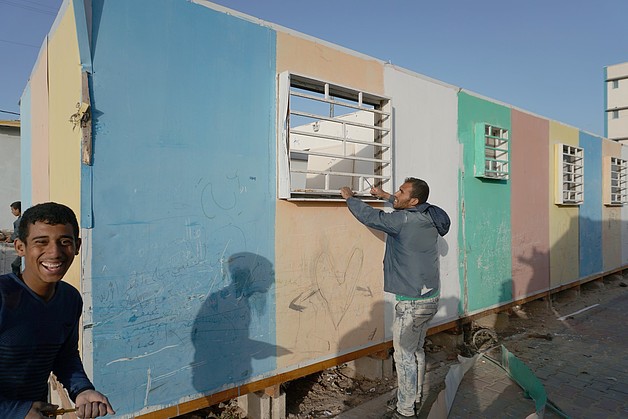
point(234, 331)
point(368, 333)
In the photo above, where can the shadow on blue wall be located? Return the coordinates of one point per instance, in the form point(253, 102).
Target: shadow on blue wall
point(227, 334)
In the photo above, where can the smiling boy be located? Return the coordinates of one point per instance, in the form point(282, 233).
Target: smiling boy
point(39, 318)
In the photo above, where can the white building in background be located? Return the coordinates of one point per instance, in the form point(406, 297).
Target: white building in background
point(616, 98)
point(9, 170)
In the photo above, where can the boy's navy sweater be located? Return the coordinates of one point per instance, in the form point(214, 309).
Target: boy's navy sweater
point(37, 337)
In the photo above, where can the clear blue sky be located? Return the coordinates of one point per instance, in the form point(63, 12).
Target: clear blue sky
point(544, 56)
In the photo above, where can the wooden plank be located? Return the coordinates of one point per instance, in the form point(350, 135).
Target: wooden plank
point(261, 385)
point(86, 122)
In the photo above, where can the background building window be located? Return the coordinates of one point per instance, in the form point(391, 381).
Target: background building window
point(331, 136)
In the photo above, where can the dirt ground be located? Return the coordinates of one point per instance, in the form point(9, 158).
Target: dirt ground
point(330, 392)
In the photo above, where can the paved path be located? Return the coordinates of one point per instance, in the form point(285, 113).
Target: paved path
point(584, 369)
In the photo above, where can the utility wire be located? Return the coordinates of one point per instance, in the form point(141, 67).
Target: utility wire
point(42, 6)
point(29, 8)
point(18, 43)
point(12, 113)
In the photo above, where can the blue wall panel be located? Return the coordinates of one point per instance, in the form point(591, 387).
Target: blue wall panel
point(590, 217)
point(182, 265)
point(26, 140)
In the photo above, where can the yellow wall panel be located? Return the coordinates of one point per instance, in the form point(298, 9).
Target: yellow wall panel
point(329, 282)
point(611, 216)
point(564, 230)
point(310, 58)
point(64, 69)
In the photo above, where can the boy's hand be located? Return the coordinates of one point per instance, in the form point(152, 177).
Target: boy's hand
point(92, 404)
point(39, 410)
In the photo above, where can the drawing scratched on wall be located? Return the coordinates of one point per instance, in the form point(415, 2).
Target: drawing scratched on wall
point(324, 314)
point(337, 286)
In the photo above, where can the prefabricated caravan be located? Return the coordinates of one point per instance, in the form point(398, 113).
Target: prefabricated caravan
point(203, 150)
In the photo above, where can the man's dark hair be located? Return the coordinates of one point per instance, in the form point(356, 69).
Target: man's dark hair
point(50, 213)
point(17, 205)
point(420, 189)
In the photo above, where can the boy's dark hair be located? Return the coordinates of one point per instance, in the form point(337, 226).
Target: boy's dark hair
point(420, 189)
point(17, 205)
point(50, 213)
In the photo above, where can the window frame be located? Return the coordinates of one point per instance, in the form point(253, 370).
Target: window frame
point(569, 174)
point(292, 180)
point(491, 138)
point(615, 170)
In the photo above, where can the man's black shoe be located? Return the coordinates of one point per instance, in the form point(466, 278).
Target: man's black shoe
point(397, 415)
point(417, 407)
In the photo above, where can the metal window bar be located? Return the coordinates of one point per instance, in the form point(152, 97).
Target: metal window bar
point(339, 139)
point(572, 198)
point(327, 99)
point(496, 149)
point(344, 157)
point(571, 171)
point(364, 179)
point(337, 120)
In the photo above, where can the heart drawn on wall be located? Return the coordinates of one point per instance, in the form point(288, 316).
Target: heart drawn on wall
point(337, 286)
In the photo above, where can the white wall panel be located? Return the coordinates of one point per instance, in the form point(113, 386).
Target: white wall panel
point(425, 115)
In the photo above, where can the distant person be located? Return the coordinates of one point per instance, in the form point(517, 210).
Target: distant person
point(16, 209)
point(39, 319)
point(411, 272)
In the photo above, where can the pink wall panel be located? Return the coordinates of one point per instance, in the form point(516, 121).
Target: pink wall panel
point(529, 202)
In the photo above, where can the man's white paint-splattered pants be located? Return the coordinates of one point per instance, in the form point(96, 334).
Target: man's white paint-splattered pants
point(409, 329)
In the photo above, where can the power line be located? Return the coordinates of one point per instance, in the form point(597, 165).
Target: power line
point(18, 43)
point(29, 8)
point(42, 6)
point(12, 113)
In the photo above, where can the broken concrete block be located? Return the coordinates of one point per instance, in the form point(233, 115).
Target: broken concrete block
point(368, 367)
point(256, 405)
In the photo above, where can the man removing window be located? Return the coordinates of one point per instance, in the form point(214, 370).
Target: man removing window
point(411, 272)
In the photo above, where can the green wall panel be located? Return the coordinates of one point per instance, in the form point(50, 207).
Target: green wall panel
point(485, 232)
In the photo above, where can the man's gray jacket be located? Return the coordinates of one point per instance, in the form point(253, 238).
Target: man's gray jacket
point(411, 267)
